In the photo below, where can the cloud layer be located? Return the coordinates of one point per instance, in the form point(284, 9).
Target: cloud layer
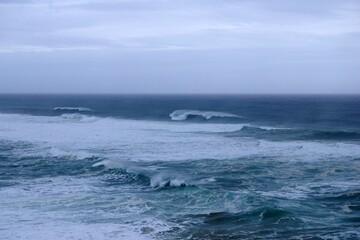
point(322, 37)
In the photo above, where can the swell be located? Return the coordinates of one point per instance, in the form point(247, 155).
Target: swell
point(47, 111)
point(294, 134)
point(19, 160)
point(262, 215)
point(236, 225)
point(178, 115)
point(348, 196)
point(22, 160)
point(15, 169)
point(184, 114)
point(76, 109)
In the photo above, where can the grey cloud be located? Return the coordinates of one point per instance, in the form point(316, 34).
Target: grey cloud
point(293, 44)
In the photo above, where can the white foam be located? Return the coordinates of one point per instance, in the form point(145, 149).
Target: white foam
point(104, 163)
point(119, 141)
point(80, 109)
point(63, 230)
point(346, 208)
point(180, 115)
point(69, 154)
point(55, 210)
point(159, 181)
point(135, 140)
point(210, 179)
point(78, 117)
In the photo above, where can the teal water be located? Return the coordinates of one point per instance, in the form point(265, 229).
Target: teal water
point(179, 167)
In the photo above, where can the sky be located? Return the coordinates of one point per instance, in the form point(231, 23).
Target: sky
point(180, 46)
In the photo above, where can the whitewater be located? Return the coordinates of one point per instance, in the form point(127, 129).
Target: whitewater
point(102, 171)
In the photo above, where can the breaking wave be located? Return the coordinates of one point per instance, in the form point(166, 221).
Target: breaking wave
point(138, 175)
point(79, 109)
point(160, 181)
point(180, 115)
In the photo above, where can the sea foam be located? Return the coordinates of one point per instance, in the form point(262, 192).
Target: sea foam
point(80, 109)
point(78, 117)
point(160, 181)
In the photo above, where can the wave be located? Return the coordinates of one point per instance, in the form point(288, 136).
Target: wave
point(123, 171)
point(78, 117)
point(79, 109)
point(103, 163)
point(70, 154)
point(340, 135)
point(183, 114)
point(263, 215)
point(161, 181)
point(293, 134)
point(351, 195)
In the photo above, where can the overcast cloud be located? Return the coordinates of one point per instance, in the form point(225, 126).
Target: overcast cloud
point(180, 46)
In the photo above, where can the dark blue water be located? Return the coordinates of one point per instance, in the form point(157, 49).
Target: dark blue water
point(325, 111)
point(180, 166)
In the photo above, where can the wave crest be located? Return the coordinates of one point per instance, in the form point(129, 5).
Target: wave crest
point(160, 181)
point(123, 171)
point(183, 114)
point(79, 109)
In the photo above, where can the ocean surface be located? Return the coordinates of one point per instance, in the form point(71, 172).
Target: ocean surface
point(179, 167)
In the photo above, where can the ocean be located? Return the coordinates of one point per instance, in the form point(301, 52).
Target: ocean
point(179, 167)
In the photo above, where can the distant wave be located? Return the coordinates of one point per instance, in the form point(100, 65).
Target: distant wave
point(293, 134)
point(183, 114)
point(80, 109)
point(78, 117)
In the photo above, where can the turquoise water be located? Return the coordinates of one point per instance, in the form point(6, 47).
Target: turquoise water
point(179, 167)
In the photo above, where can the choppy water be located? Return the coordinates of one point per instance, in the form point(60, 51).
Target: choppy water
point(179, 167)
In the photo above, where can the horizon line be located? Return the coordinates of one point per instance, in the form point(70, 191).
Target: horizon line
point(92, 93)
